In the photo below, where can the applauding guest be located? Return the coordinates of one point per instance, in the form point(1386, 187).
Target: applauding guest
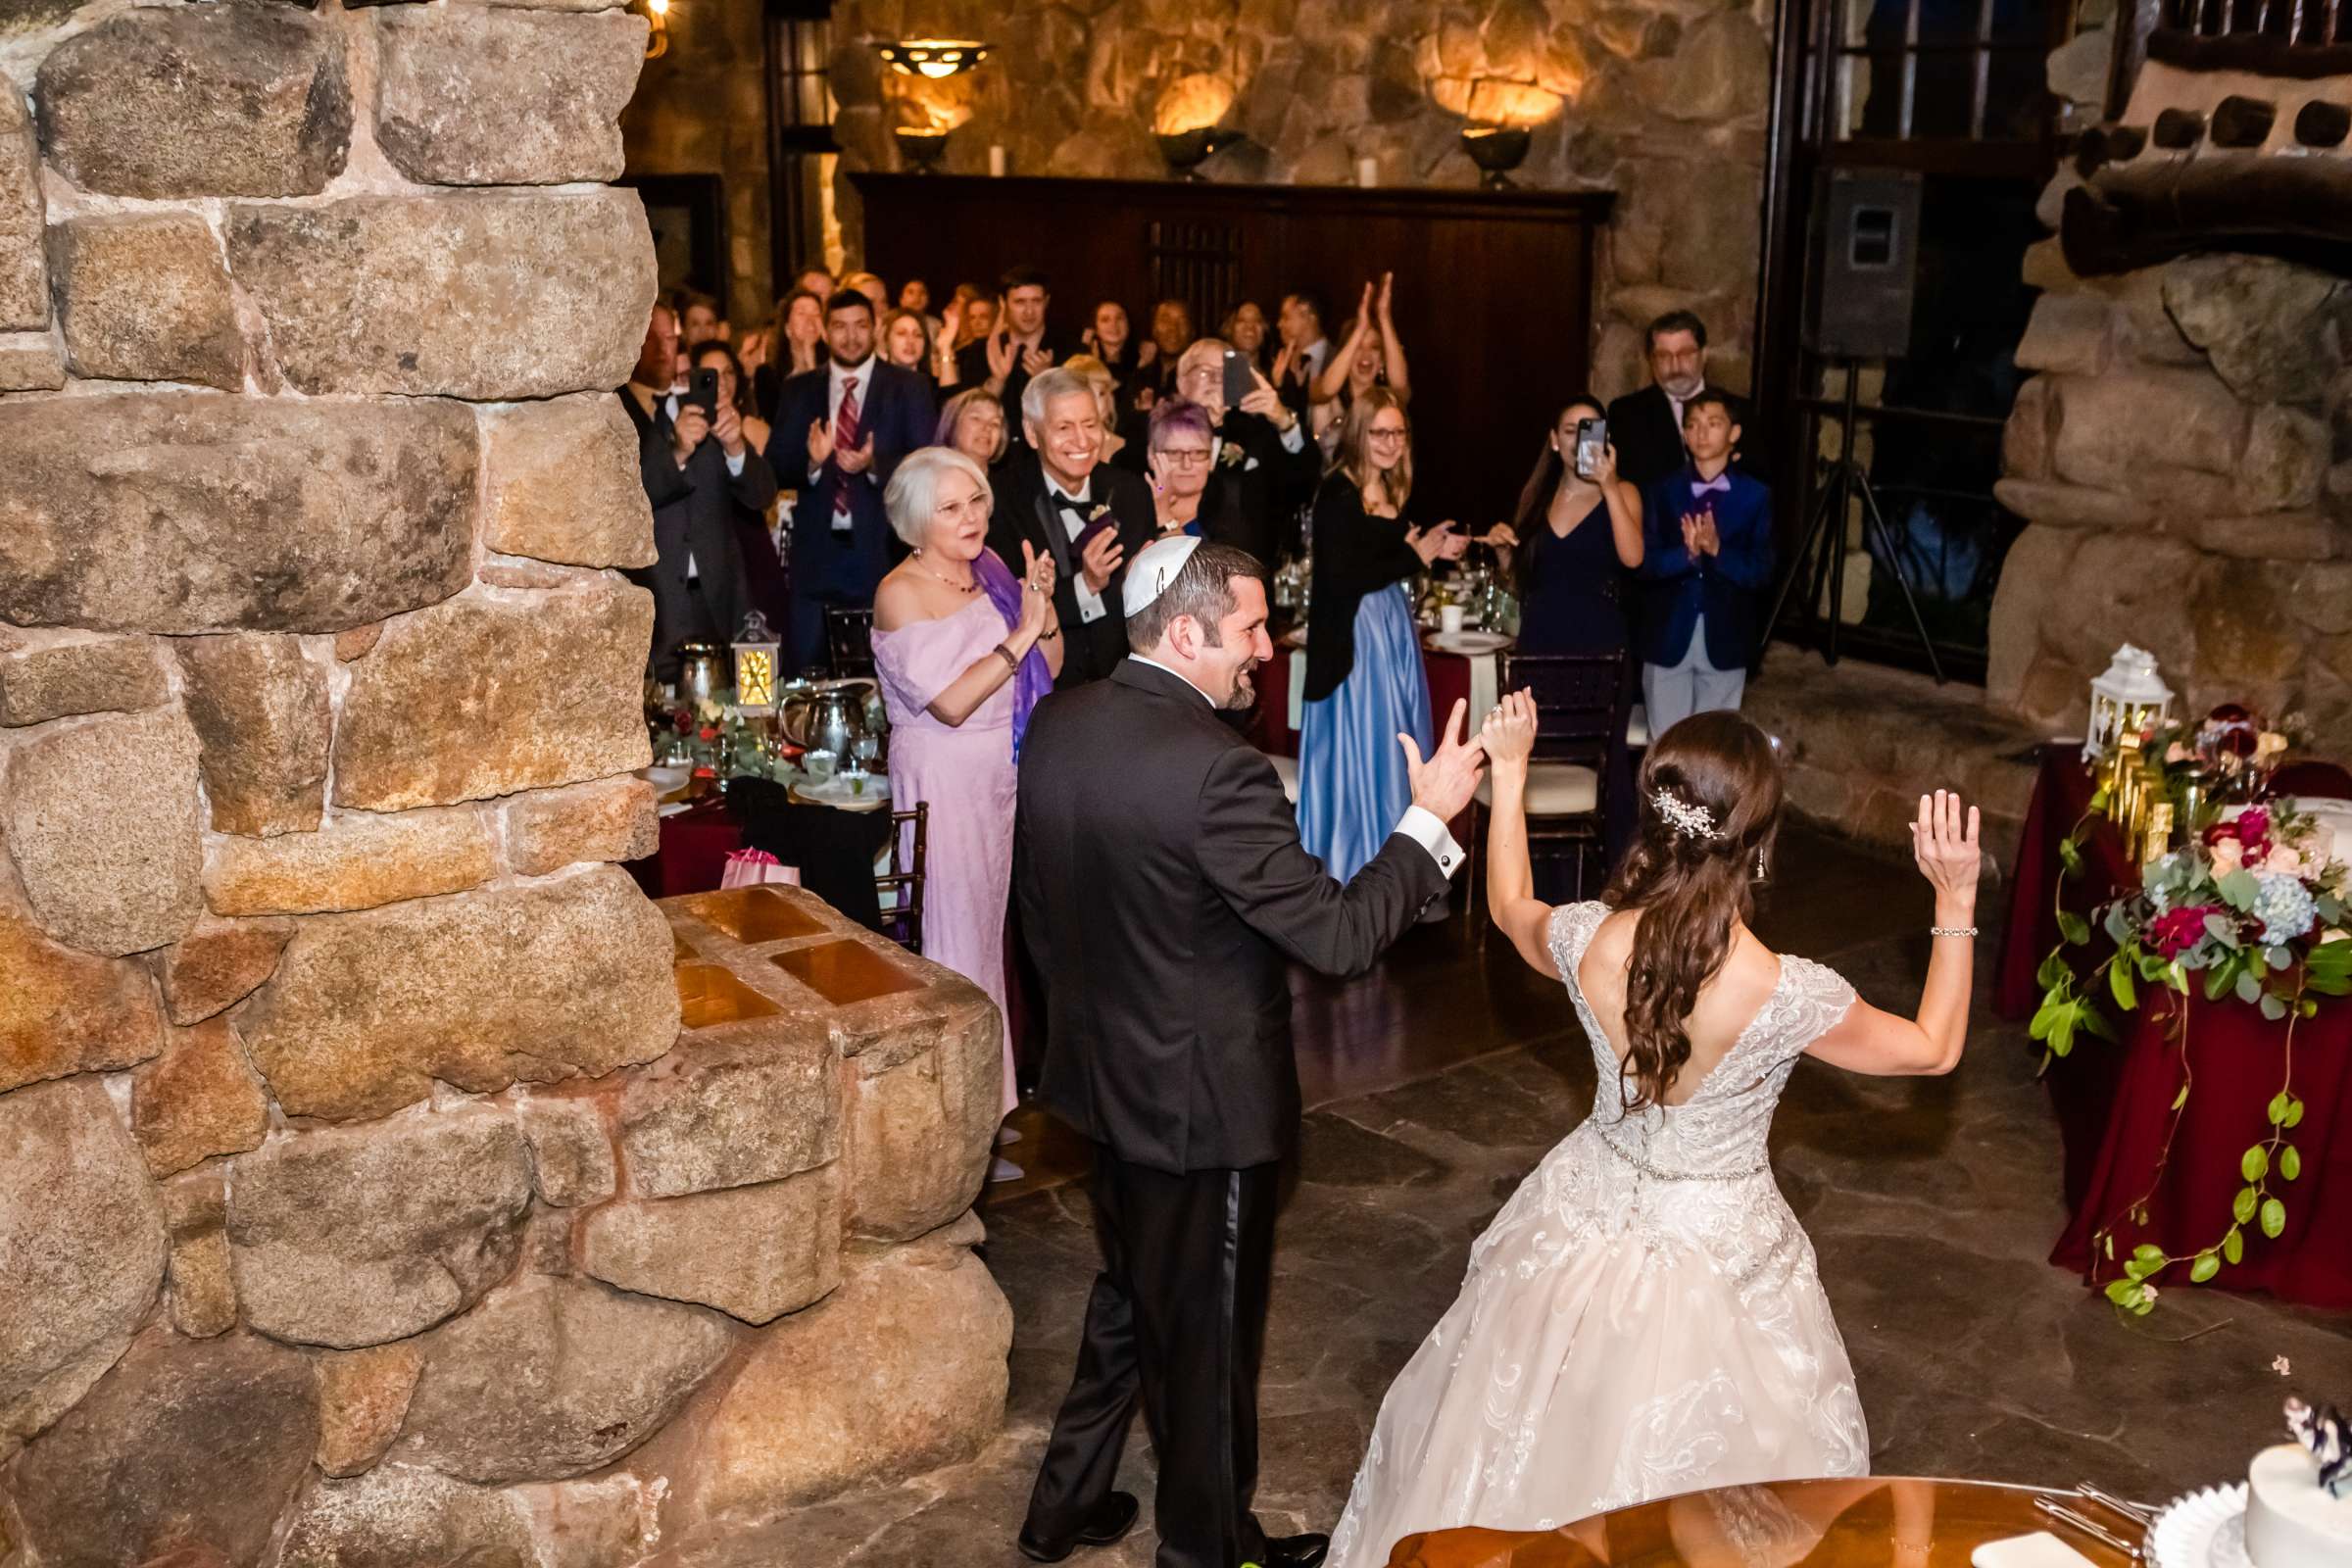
point(973, 423)
point(1365, 685)
point(1189, 495)
point(1648, 425)
point(964, 650)
point(1261, 445)
point(1021, 347)
point(698, 468)
point(1373, 354)
point(1079, 511)
point(841, 432)
point(1706, 558)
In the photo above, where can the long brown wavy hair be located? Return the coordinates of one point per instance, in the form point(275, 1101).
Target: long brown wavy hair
point(1689, 886)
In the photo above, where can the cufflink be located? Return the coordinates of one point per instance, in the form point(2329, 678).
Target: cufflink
point(1445, 862)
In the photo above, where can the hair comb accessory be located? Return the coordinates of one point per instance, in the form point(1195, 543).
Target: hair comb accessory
point(1688, 821)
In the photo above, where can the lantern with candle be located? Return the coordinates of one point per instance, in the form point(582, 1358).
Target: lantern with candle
point(755, 651)
point(2127, 698)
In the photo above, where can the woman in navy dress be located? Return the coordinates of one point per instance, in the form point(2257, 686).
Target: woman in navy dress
point(1571, 550)
point(1365, 683)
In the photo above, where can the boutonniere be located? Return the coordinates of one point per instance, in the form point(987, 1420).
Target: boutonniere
point(1229, 455)
point(1102, 511)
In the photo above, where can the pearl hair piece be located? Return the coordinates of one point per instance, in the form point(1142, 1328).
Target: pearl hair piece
point(1688, 821)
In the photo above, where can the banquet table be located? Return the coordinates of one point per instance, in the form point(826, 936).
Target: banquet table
point(1854, 1523)
point(834, 850)
point(2114, 1099)
point(1468, 677)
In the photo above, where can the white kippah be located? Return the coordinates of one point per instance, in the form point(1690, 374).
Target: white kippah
point(1153, 568)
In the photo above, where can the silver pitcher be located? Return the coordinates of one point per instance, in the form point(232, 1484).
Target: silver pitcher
point(829, 716)
point(702, 672)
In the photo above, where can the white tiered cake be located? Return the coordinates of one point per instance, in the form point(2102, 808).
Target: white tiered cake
point(2291, 1520)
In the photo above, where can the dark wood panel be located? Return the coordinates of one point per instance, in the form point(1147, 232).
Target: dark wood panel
point(1494, 289)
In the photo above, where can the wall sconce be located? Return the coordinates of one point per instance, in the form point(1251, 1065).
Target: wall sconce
point(935, 58)
point(1496, 150)
point(656, 17)
point(1185, 122)
point(922, 146)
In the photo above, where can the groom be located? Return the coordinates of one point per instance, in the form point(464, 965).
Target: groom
point(1163, 893)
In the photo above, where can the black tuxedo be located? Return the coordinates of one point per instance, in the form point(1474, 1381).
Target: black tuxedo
point(1024, 512)
point(842, 565)
point(1649, 440)
point(1163, 893)
point(694, 519)
point(1273, 482)
point(971, 369)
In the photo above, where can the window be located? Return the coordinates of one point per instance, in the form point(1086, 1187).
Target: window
point(799, 128)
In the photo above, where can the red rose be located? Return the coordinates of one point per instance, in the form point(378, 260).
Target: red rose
point(707, 733)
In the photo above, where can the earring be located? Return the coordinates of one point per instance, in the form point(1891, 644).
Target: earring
point(1759, 862)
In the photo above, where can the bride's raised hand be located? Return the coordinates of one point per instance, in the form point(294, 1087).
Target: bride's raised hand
point(1943, 842)
point(1509, 731)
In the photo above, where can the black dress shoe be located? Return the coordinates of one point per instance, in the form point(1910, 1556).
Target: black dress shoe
point(1296, 1551)
point(1112, 1518)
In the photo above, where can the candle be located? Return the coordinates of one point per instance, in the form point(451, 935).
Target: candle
point(1367, 171)
point(996, 162)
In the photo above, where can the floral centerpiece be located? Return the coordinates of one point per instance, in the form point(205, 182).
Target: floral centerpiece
point(2251, 907)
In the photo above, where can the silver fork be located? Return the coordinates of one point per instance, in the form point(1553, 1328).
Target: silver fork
point(2139, 1514)
point(2097, 1532)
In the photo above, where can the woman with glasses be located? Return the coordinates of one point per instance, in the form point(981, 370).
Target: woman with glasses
point(1364, 681)
point(1188, 493)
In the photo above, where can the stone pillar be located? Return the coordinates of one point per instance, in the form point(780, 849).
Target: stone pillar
point(320, 994)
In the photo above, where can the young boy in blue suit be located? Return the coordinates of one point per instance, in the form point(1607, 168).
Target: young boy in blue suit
point(1707, 560)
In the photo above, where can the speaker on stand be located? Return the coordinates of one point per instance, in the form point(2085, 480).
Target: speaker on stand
point(1857, 307)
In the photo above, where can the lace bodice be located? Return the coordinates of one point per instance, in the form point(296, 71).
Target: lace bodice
point(1719, 1133)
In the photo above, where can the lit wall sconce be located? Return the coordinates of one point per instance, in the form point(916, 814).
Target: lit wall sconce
point(935, 58)
point(1502, 118)
point(1185, 122)
point(656, 17)
point(922, 147)
point(1496, 150)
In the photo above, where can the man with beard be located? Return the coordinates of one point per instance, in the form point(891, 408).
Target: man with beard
point(839, 432)
point(1646, 426)
point(1087, 514)
point(1163, 893)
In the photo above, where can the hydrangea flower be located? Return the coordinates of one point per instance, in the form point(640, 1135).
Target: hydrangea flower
point(2285, 907)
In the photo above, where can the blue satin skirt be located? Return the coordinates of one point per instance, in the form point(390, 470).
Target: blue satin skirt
point(1352, 783)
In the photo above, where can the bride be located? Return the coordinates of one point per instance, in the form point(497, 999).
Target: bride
point(1644, 1317)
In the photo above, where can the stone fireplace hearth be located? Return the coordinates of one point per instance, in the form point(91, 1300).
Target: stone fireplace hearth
point(383, 1179)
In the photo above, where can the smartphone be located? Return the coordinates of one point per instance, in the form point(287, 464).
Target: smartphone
point(702, 387)
point(1591, 443)
point(1238, 382)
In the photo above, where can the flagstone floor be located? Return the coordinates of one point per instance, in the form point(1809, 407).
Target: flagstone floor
point(1441, 1078)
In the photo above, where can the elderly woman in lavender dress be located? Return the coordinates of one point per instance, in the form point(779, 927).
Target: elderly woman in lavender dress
point(965, 648)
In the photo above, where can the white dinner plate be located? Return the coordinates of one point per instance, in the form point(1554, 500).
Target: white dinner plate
point(836, 793)
point(1468, 643)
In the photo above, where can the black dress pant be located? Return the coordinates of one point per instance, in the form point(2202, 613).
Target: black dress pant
point(1177, 1320)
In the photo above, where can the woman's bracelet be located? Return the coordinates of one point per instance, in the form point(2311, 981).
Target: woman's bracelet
point(1012, 659)
point(1951, 930)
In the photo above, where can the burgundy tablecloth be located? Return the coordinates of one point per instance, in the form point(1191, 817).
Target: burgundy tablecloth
point(1270, 727)
point(2114, 1099)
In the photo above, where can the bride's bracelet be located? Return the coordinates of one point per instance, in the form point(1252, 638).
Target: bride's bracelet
point(1951, 930)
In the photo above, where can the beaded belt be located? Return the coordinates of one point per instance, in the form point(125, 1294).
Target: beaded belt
point(1647, 1170)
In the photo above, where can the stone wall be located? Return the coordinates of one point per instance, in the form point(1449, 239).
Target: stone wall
point(2183, 459)
point(1660, 99)
point(702, 108)
point(361, 1199)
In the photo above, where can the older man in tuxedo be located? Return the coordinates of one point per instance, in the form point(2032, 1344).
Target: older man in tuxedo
point(1262, 447)
point(839, 432)
point(1165, 895)
point(1089, 516)
point(696, 468)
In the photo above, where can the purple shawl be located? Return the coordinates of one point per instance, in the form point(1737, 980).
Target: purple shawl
point(1033, 679)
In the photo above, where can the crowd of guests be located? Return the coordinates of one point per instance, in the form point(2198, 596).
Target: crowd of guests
point(978, 479)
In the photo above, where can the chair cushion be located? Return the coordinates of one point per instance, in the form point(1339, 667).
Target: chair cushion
point(1553, 789)
point(1286, 768)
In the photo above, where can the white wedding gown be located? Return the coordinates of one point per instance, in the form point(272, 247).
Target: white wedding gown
point(1642, 1318)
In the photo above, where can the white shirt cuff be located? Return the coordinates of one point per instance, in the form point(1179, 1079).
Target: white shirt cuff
point(735, 463)
point(1091, 608)
point(1293, 440)
point(1424, 828)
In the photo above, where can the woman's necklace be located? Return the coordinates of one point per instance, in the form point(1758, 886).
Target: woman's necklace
point(971, 587)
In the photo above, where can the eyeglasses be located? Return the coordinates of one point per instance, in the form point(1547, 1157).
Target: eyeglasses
point(1182, 456)
point(1378, 434)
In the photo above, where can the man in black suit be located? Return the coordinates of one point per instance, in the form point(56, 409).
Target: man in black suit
point(696, 468)
point(839, 433)
point(1164, 894)
point(1021, 347)
point(1089, 516)
point(1646, 426)
point(1263, 448)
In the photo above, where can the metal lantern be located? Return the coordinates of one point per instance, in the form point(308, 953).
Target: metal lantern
point(2125, 698)
point(755, 651)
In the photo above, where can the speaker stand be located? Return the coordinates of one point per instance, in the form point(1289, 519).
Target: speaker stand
point(1820, 558)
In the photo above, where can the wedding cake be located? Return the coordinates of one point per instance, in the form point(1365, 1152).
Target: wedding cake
point(2294, 1517)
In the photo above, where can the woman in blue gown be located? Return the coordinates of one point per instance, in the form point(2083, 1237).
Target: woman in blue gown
point(1365, 684)
point(1571, 550)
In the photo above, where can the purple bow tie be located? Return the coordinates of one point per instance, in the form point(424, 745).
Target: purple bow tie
point(1722, 482)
